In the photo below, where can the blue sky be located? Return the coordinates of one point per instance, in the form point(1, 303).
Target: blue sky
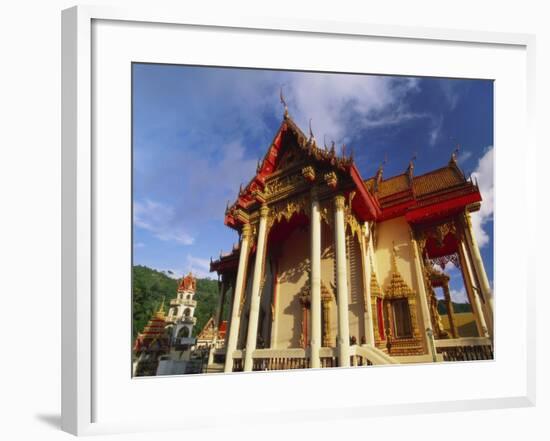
point(198, 133)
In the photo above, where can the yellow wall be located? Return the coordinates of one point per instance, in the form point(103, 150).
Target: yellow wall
point(390, 233)
point(293, 274)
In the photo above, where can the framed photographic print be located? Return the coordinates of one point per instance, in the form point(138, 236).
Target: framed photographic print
point(310, 217)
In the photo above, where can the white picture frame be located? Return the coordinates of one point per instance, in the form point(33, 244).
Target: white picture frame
point(80, 233)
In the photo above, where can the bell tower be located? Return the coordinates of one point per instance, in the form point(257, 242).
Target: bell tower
point(181, 313)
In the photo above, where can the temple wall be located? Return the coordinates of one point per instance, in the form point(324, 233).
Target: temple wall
point(293, 274)
point(387, 233)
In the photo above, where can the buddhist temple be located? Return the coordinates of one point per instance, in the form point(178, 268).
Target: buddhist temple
point(151, 344)
point(166, 346)
point(332, 269)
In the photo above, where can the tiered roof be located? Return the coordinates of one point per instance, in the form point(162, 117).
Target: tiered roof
point(208, 331)
point(188, 283)
point(152, 337)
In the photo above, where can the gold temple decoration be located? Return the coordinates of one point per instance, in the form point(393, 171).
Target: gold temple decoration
point(308, 173)
point(398, 289)
point(259, 196)
point(264, 210)
point(160, 312)
point(375, 289)
point(287, 209)
point(326, 300)
point(355, 227)
point(434, 277)
point(438, 232)
point(246, 231)
point(331, 179)
point(339, 202)
point(283, 184)
point(304, 296)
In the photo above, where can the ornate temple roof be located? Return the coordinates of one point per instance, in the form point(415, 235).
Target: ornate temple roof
point(207, 332)
point(441, 179)
point(153, 332)
point(421, 199)
point(188, 283)
point(290, 137)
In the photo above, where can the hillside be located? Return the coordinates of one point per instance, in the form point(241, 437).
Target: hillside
point(457, 307)
point(150, 286)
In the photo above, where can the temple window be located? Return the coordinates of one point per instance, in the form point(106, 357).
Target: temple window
point(401, 318)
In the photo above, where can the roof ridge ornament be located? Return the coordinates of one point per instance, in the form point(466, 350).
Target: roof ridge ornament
point(311, 139)
point(410, 169)
point(454, 155)
point(380, 172)
point(283, 102)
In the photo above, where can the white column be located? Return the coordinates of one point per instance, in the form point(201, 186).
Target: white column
point(480, 271)
point(365, 249)
point(252, 335)
point(426, 321)
point(238, 293)
point(341, 281)
point(315, 280)
point(476, 301)
point(217, 320)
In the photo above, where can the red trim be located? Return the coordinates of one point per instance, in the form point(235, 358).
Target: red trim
point(441, 208)
point(364, 204)
point(380, 316)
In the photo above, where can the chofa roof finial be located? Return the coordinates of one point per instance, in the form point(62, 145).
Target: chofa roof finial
point(283, 102)
point(454, 155)
point(311, 135)
point(410, 168)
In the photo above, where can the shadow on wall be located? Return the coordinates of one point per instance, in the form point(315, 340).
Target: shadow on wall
point(294, 309)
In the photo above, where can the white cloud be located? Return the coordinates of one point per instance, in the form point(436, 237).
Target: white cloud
point(463, 156)
point(214, 181)
point(484, 175)
point(459, 296)
point(435, 132)
point(450, 92)
point(159, 219)
point(337, 106)
point(199, 266)
point(139, 244)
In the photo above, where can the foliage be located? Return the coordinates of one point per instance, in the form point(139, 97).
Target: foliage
point(151, 286)
point(457, 307)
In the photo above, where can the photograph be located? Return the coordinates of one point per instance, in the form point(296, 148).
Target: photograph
point(289, 219)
